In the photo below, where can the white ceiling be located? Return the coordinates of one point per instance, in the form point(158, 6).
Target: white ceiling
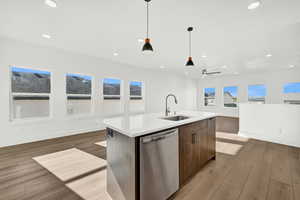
point(226, 31)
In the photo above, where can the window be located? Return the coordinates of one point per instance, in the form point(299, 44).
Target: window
point(30, 93)
point(230, 96)
point(257, 94)
point(79, 91)
point(209, 96)
point(136, 90)
point(292, 93)
point(111, 89)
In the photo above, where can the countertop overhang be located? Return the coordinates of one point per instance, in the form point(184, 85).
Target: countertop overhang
point(143, 124)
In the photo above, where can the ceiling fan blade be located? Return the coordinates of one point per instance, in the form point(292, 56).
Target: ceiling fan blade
point(212, 73)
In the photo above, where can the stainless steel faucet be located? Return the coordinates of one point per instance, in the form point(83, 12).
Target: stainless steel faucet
point(167, 108)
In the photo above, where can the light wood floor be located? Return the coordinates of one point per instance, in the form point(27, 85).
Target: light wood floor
point(248, 170)
point(244, 170)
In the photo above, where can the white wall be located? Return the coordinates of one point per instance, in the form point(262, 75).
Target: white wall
point(14, 53)
point(274, 82)
point(271, 122)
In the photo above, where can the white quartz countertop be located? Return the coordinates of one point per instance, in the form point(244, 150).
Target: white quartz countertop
point(142, 124)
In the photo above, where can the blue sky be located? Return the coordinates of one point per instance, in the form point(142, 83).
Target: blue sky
point(257, 91)
point(291, 88)
point(17, 69)
point(233, 90)
point(136, 83)
point(81, 76)
point(210, 90)
point(112, 81)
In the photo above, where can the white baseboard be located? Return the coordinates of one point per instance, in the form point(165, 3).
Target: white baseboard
point(53, 135)
point(259, 137)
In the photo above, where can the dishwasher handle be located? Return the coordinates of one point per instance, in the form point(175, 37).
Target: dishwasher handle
point(161, 136)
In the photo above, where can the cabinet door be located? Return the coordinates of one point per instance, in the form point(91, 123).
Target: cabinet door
point(203, 143)
point(188, 152)
point(211, 138)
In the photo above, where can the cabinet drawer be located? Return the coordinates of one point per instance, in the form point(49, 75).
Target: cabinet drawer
point(190, 127)
point(201, 125)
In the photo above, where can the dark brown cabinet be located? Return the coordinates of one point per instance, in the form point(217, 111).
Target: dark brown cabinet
point(212, 138)
point(197, 146)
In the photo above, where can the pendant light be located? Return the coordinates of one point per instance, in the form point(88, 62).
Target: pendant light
point(190, 61)
point(147, 46)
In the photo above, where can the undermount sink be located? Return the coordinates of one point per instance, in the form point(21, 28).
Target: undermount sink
point(176, 118)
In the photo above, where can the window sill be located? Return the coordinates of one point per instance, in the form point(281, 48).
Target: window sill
point(230, 107)
point(80, 116)
point(30, 120)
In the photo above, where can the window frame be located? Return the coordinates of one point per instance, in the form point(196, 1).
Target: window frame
point(284, 94)
point(112, 97)
point(215, 97)
point(12, 94)
point(79, 95)
point(259, 84)
point(237, 99)
point(136, 97)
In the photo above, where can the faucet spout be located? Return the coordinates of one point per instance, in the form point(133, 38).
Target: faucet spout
point(167, 108)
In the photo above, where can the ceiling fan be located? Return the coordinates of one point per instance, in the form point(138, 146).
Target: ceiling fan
point(205, 72)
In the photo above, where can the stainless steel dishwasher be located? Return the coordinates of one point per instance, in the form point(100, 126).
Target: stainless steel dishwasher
point(159, 165)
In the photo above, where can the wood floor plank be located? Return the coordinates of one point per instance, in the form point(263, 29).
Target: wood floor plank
point(294, 164)
point(279, 191)
point(16, 192)
point(21, 173)
point(296, 191)
point(208, 180)
point(281, 170)
point(234, 183)
point(256, 186)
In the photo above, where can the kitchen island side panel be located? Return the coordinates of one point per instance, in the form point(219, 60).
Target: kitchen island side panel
point(121, 166)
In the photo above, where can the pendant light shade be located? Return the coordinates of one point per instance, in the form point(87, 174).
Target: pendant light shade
point(147, 46)
point(190, 60)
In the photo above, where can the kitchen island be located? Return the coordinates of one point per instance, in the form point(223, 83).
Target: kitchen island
point(151, 156)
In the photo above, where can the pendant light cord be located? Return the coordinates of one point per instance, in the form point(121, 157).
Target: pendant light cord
point(147, 19)
point(190, 43)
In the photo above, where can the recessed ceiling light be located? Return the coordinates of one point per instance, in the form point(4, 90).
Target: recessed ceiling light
point(269, 55)
point(162, 66)
point(292, 66)
point(51, 3)
point(116, 54)
point(46, 36)
point(254, 4)
point(204, 56)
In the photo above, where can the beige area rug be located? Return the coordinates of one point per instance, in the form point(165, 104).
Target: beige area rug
point(102, 143)
point(91, 187)
point(83, 173)
point(229, 144)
